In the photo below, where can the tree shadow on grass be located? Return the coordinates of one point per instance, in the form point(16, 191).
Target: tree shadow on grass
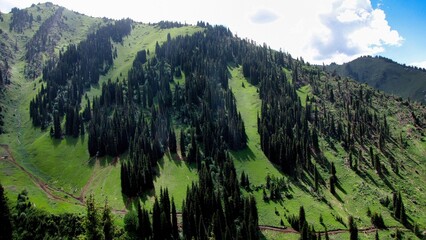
point(365, 174)
point(131, 203)
point(386, 181)
point(91, 161)
point(262, 236)
point(71, 141)
point(175, 158)
point(245, 154)
point(82, 137)
point(339, 186)
point(107, 160)
point(298, 182)
point(337, 196)
point(55, 142)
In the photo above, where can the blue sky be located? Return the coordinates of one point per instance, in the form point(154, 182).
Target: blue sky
point(321, 31)
point(409, 18)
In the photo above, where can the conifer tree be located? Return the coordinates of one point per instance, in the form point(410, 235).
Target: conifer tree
point(402, 215)
point(144, 226)
point(172, 141)
point(157, 231)
point(182, 144)
point(371, 155)
point(175, 232)
point(57, 126)
point(92, 223)
point(316, 178)
point(107, 222)
point(332, 185)
point(302, 218)
point(353, 229)
point(5, 217)
point(377, 165)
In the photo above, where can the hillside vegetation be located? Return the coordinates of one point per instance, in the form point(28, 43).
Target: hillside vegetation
point(191, 132)
point(386, 75)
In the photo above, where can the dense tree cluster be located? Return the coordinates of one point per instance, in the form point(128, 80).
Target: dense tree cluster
point(5, 216)
point(20, 20)
point(77, 68)
point(164, 219)
point(43, 41)
point(169, 24)
point(32, 223)
point(205, 102)
point(4, 74)
point(98, 225)
point(377, 221)
point(137, 172)
point(215, 208)
point(8, 48)
point(299, 223)
point(399, 208)
point(283, 127)
point(161, 225)
point(276, 186)
point(135, 116)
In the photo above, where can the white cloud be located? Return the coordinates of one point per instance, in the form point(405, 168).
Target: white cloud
point(263, 16)
point(319, 31)
point(355, 29)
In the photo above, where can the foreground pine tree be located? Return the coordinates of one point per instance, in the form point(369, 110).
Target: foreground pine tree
point(5, 220)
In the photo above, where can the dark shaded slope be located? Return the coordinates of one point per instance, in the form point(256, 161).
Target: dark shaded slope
point(386, 75)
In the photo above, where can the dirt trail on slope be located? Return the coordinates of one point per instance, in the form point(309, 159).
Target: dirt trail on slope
point(329, 232)
point(289, 230)
point(49, 190)
point(39, 182)
point(80, 199)
point(88, 183)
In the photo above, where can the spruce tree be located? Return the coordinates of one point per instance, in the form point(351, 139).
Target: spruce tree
point(5, 218)
point(302, 218)
point(172, 141)
point(377, 165)
point(144, 226)
point(402, 215)
point(107, 222)
point(333, 171)
point(92, 223)
point(316, 178)
point(57, 126)
point(332, 185)
point(304, 232)
point(175, 232)
point(397, 205)
point(353, 229)
point(182, 143)
point(157, 231)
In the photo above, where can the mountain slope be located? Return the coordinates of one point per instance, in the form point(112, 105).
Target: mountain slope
point(386, 75)
point(34, 149)
point(347, 118)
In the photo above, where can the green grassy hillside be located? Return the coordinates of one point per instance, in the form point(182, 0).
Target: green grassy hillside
point(386, 75)
point(65, 165)
point(59, 174)
point(357, 193)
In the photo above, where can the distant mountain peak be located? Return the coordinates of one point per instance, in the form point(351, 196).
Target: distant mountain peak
point(386, 75)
